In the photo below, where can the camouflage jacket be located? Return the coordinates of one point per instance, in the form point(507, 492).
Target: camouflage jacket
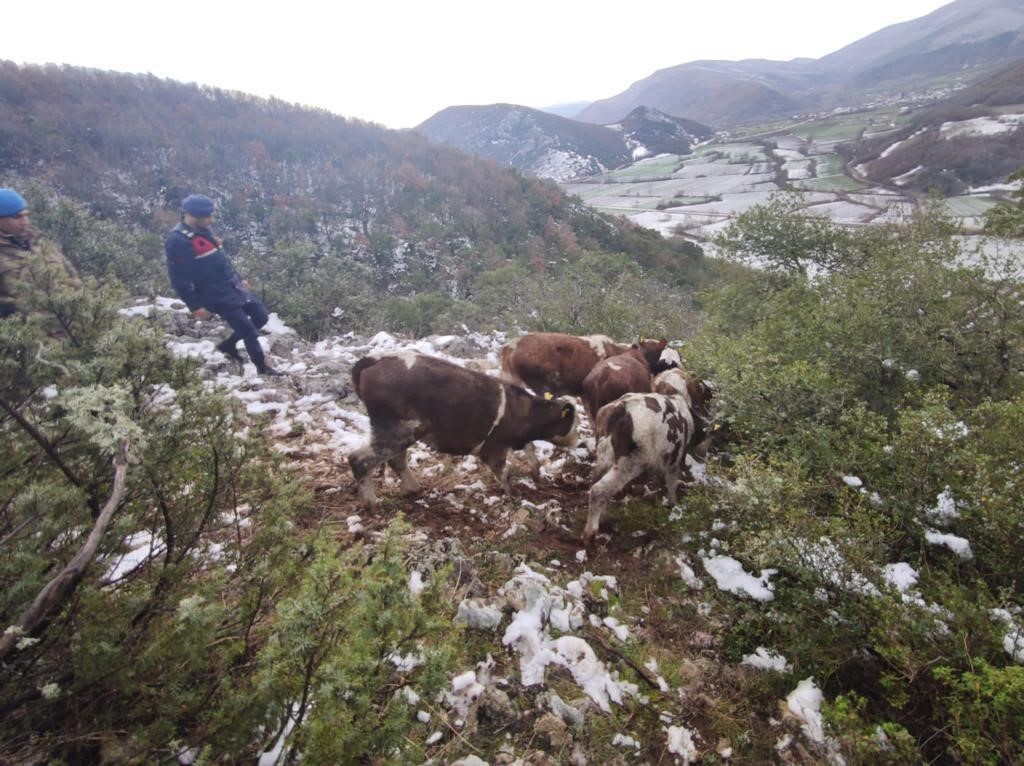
point(15, 255)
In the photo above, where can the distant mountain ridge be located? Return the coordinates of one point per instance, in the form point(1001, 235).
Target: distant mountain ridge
point(549, 146)
point(967, 38)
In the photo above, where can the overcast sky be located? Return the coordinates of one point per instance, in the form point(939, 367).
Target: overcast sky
point(397, 62)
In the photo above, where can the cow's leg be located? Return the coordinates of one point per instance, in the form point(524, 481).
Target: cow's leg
point(601, 493)
point(388, 440)
point(400, 466)
point(363, 462)
point(673, 475)
point(497, 461)
point(532, 460)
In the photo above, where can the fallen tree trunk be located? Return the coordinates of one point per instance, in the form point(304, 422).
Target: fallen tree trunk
point(64, 583)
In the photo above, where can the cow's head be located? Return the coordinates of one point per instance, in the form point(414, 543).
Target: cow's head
point(700, 392)
point(561, 421)
point(668, 360)
point(651, 351)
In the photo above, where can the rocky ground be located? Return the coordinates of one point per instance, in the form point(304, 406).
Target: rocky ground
point(616, 654)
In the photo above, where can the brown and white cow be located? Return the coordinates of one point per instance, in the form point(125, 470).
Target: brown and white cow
point(611, 378)
point(626, 373)
point(550, 362)
point(646, 432)
point(556, 364)
point(411, 397)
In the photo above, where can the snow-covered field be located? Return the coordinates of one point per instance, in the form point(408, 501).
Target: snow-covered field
point(731, 178)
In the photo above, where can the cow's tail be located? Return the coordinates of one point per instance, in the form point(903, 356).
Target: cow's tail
point(506, 358)
point(508, 373)
point(357, 370)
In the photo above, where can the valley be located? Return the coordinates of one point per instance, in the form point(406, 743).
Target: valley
point(697, 195)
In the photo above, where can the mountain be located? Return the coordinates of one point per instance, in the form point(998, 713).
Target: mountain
point(974, 138)
point(549, 146)
point(714, 92)
point(649, 131)
point(913, 47)
point(570, 109)
point(965, 40)
point(316, 207)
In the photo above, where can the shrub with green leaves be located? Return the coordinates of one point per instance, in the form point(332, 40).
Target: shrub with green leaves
point(857, 399)
point(188, 596)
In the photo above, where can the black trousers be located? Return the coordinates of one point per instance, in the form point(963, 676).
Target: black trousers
point(245, 322)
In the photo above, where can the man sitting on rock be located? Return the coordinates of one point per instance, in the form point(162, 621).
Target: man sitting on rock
point(18, 243)
point(204, 278)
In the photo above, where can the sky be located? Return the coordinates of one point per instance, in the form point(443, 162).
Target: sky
point(397, 62)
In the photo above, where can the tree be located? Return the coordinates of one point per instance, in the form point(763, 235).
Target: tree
point(1007, 218)
point(156, 559)
point(782, 238)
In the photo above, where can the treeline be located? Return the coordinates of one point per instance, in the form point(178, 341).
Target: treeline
point(319, 211)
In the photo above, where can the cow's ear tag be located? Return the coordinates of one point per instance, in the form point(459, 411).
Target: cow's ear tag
point(548, 396)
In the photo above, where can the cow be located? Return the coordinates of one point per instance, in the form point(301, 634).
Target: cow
point(630, 372)
point(553, 363)
point(613, 377)
point(456, 411)
point(550, 362)
point(647, 431)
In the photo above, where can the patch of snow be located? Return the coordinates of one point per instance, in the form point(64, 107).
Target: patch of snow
point(1013, 640)
point(805, 703)
point(680, 743)
point(959, 545)
point(765, 659)
point(982, 126)
point(729, 575)
point(901, 576)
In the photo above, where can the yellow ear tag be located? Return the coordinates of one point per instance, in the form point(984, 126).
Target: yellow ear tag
point(548, 395)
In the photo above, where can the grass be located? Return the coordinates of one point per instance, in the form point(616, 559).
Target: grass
point(830, 183)
point(969, 206)
point(829, 165)
point(666, 166)
point(685, 200)
point(830, 130)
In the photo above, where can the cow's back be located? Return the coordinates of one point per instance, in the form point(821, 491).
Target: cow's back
point(611, 378)
point(653, 427)
point(554, 363)
point(447, 406)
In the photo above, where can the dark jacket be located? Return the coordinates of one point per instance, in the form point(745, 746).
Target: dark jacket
point(200, 271)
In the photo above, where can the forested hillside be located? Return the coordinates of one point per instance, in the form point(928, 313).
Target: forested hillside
point(966, 141)
point(320, 212)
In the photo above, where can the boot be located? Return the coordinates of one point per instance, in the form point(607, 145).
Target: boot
point(269, 372)
point(229, 350)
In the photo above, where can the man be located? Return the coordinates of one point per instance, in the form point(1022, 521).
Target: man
point(204, 278)
point(18, 243)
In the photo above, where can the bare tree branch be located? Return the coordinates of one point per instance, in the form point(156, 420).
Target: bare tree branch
point(55, 591)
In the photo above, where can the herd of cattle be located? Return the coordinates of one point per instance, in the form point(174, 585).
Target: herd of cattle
point(647, 415)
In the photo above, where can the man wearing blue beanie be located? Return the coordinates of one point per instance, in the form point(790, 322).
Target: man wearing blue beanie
point(19, 242)
point(204, 278)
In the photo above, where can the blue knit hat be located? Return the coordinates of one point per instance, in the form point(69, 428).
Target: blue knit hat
point(11, 203)
point(198, 205)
